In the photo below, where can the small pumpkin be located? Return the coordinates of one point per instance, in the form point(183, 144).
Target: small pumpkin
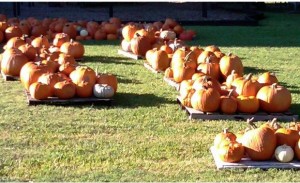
point(222, 136)
point(40, 42)
point(108, 79)
point(28, 50)
point(267, 78)
point(231, 151)
point(209, 68)
point(228, 104)
point(64, 90)
point(140, 45)
point(284, 153)
point(245, 86)
point(60, 38)
point(103, 91)
point(202, 100)
point(73, 48)
point(160, 60)
point(70, 30)
point(247, 104)
point(231, 62)
point(128, 32)
point(169, 72)
point(287, 136)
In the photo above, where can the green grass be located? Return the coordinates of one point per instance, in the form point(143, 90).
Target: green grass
point(144, 136)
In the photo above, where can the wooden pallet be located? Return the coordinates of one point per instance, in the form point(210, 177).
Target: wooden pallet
point(10, 78)
point(259, 116)
point(72, 101)
point(172, 83)
point(130, 55)
point(148, 66)
point(79, 59)
point(246, 163)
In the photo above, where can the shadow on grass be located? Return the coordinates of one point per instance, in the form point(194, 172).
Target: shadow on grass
point(101, 42)
point(122, 79)
point(295, 109)
point(109, 60)
point(133, 100)
point(256, 70)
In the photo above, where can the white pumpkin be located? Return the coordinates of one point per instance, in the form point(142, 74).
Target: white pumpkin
point(83, 33)
point(284, 153)
point(103, 91)
point(126, 46)
point(167, 35)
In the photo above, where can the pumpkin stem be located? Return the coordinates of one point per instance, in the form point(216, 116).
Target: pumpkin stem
point(230, 93)
point(225, 130)
point(137, 34)
point(233, 72)
point(250, 122)
point(187, 57)
point(274, 85)
point(249, 76)
point(230, 54)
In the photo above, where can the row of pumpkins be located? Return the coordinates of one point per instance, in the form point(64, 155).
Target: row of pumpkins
point(210, 81)
point(263, 143)
point(50, 69)
point(78, 30)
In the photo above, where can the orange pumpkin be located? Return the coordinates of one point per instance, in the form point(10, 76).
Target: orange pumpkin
point(247, 104)
point(231, 62)
point(160, 60)
point(60, 38)
point(202, 58)
point(40, 91)
point(169, 73)
point(297, 150)
point(13, 31)
point(222, 136)
point(50, 79)
point(267, 78)
point(228, 104)
point(202, 100)
point(12, 63)
point(128, 32)
point(108, 79)
point(70, 30)
point(100, 35)
point(40, 42)
point(28, 50)
point(209, 68)
point(73, 48)
point(212, 48)
point(140, 45)
point(287, 136)
point(245, 86)
point(231, 151)
point(274, 98)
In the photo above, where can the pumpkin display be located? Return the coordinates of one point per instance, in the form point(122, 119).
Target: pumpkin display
point(103, 91)
point(50, 79)
point(181, 73)
point(259, 143)
point(231, 62)
point(169, 73)
point(140, 45)
point(247, 104)
point(201, 100)
point(109, 79)
point(12, 63)
point(125, 45)
point(67, 68)
point(202, 58)
point(272, 124)
point(39, 91)
point(284, 153)
point(228, 104)
point(212, 48)
point(64, 90)
point(83, 74)
point(183, 57)
point(231, 151)
point(70, 30)
point(225, 135)
point(73, 48)
point(287, 136)
point(274, 98)
point(40, 42)
point(28, 50)
point(229, 80)
point(207, 82)
point(14, 42)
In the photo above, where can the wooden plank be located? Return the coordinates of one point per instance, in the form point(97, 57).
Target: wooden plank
point(72, 101)
point(260, 116)
point(79, 59)
point(172, 83)
point(10, 78)
point(129, 54)
point(246, 163)
point(148, 66)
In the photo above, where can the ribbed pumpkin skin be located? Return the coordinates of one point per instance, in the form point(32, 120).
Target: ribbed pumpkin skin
point(73, 48)
point(245, 86)
point(64, 90)
point(128, 32)
point(225, 135)
point(50, 79)
point(229, 63)
point(40, 91)
point(181, 73)
point(247, 104)
point(259, 143)
point(228, 104)
point(140, 45)
point(11, 64)
point(160, 60)
point(60, 38)
point(267, 78)
point(29, 51)
point(274, 98)
point(206, 100)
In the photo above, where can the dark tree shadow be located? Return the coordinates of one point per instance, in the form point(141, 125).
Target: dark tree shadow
point(133, 100)
point(256, 70)
point(123, 79)
point(109, 59)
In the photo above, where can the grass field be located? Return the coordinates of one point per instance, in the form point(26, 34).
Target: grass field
point(144, 136)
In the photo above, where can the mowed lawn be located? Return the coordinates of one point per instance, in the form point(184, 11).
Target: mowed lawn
point(144, 136)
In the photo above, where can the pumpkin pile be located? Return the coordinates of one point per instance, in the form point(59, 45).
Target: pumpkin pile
point(49, 27)
point(139, 38)
point(266, 142)
point(50, 69)
point(211, 81)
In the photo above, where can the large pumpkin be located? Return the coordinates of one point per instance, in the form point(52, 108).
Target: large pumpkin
point(202, 58)
point(210, 68)
point(160, 60)
point(12, 63)
point(222, 136)
point(29, 51)
point(259, 143)
point(70, 30)
point(13, 31)
point(140, 45)
point(228, 104)
point(50, 79)
point(231, 62)
point(40, 42)
point(73, 48)
point(14, 42)
point(267, 78)
point(60, 39)
point(231, 151)
point(206, 100)
point(245, 86)
point(274, 98)
point(247, 104)
point(287, 136)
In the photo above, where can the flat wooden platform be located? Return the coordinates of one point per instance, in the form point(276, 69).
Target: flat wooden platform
point(246, 163)
point(172, 83)
point(10, 78)
point(72, 101)
point(148, 66)
point(259, 116)
point(130, 55)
